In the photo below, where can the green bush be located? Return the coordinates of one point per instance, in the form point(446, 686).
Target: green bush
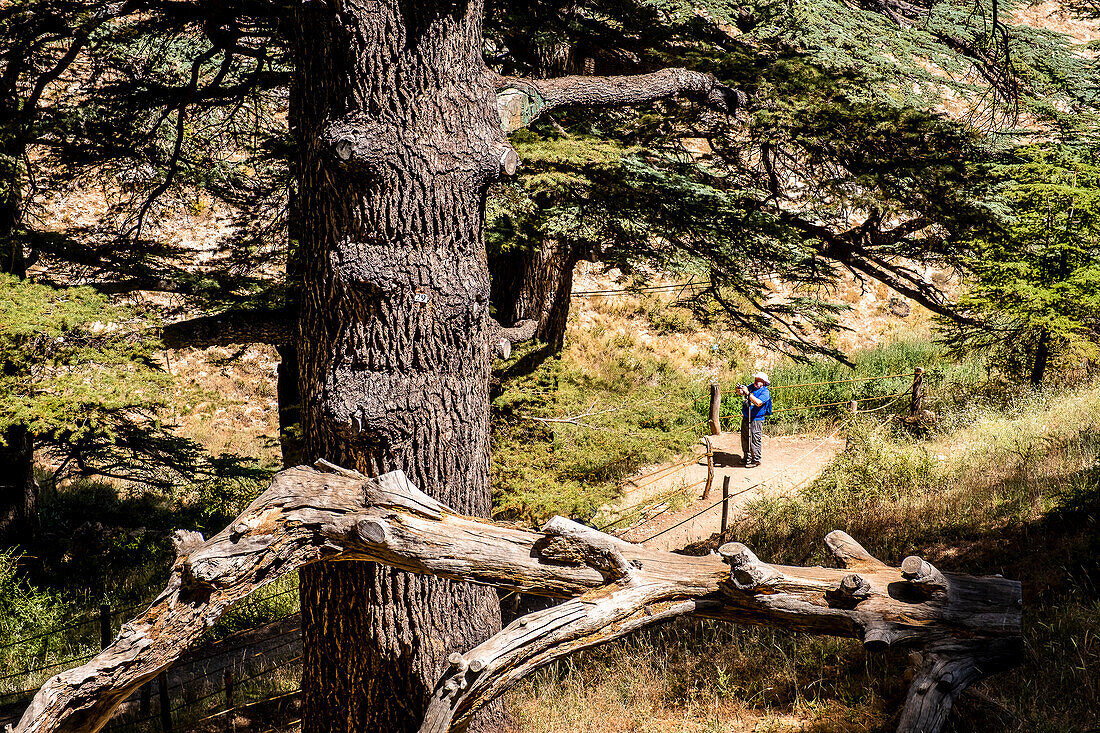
point(24, 609)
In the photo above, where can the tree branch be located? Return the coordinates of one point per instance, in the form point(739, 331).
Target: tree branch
point(521, 100)
point(236, 326)
point(502, 338)
point(970, 627)
point(843, 249)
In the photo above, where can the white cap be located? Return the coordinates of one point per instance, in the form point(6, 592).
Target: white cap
point(762, 377)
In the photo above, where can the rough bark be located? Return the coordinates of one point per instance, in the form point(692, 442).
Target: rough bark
point(536, 283)
point(399, 138)
point(967, 627)
point(522, 100)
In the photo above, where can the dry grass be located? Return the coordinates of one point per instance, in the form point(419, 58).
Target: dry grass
point(706, 677)
point(226, 400)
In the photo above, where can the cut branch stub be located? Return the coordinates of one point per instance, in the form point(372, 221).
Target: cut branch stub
point(923, 574)
point(501, 338)
point(853, 589)
point(570, 542)
point(747, 573)
point(969, 630)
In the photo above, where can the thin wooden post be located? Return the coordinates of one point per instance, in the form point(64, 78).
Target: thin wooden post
point(165, 705)
point(230, 724)
point(725, 503)
point(715, 408)
point(710, 467)
point(104, 625)
point(853, 406)
point(917, 396)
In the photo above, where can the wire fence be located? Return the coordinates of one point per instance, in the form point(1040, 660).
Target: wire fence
point(196, 713)
point(101, 627)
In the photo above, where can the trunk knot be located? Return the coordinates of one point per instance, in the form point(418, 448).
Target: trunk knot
point(359, 144)
point(853, 589)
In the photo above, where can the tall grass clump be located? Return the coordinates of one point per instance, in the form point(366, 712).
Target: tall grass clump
point(24, 609)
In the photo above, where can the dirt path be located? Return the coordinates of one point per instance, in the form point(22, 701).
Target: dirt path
point(789, 462)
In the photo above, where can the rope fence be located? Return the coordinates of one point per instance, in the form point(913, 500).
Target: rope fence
point(745, 490)
point(913, 390)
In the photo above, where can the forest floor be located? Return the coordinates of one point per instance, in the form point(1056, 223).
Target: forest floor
point(789, 462)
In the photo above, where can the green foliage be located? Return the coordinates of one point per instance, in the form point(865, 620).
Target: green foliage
point(79, 374)
point(24, 609)
point(1035, 290)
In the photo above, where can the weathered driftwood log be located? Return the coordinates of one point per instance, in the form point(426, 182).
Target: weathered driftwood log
point(966, 627)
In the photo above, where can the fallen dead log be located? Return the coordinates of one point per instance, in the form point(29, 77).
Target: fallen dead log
point(967, 627)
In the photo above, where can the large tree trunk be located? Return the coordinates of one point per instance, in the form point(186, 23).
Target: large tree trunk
point(399, 137)
point(535, 284)
point(18, 489)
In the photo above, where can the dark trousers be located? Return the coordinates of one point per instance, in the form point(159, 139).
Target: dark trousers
point(752, 440)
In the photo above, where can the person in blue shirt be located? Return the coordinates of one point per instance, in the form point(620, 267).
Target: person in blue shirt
point(756, 405)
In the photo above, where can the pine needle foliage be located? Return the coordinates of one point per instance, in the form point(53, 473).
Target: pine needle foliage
point(81, 374)
point(1034, 300)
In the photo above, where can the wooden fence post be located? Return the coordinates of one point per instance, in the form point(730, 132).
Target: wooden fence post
point(230, 723)
point(725, 503)
point(104, 625)
point(710, 467)
point(165, 705)
point(715, 409)
point(853, 406)
point(917, 396)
